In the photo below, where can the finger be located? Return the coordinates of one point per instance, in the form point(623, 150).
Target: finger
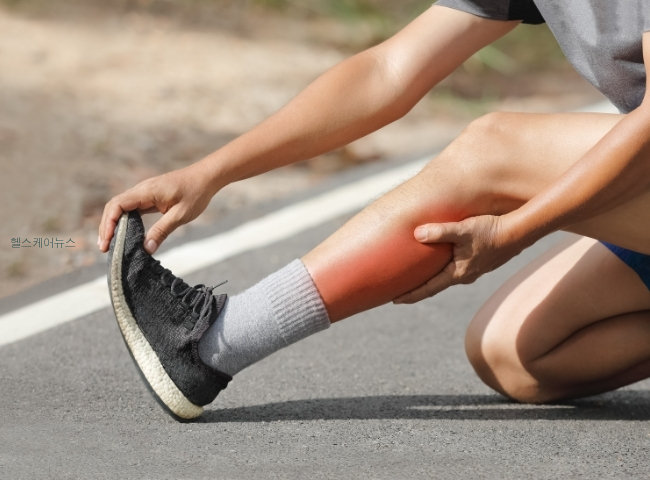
point(125, 202)
point(112, 213)
point(157, 234)
point(437, 233)
point(434, 286)
point(144, 211)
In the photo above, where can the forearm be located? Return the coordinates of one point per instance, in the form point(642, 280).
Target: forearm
point(350, 100)
point(359, 95)
point(614, 171)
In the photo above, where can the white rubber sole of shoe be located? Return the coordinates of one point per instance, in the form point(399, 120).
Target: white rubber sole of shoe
point(159, 383)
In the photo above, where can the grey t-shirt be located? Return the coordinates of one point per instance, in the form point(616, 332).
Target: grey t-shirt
point(601, 38)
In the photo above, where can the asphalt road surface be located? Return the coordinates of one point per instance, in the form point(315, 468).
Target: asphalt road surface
point(386, 394)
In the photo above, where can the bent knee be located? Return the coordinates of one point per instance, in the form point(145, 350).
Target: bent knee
point(498, 366)
point(483, 155)
point(489, 132)
point(494, 123)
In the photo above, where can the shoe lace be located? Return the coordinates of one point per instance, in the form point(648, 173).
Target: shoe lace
point(198, 300)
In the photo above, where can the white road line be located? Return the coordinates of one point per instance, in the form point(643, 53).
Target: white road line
point(92, 296)
point(190, 257)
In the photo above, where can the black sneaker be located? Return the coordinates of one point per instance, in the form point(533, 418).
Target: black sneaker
point(162, 319)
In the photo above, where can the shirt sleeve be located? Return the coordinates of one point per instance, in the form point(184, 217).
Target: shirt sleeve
point(524, 10)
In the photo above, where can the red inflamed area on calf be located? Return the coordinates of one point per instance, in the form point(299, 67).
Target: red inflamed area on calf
point(370, 272)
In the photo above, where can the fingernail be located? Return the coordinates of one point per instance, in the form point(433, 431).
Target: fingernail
point(151, 246)
point(99, 241)
point(420, 234)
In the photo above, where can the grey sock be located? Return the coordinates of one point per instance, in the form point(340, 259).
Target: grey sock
point(280, 310)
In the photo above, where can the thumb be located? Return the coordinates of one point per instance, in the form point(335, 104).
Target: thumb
point(436, 232)
point(157, 234)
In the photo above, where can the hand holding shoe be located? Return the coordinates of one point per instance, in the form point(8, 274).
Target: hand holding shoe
point(181, 195)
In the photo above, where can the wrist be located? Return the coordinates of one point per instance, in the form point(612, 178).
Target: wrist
point(518, 229)
point(214, 171)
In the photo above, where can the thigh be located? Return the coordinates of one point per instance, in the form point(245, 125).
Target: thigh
point(522, 153)
point(569, 322)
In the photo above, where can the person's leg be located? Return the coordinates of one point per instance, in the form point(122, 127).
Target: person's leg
point(498, 163)
point(575, 322)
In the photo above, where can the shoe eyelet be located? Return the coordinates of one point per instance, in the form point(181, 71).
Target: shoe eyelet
point(188, 324)
point(195, 315)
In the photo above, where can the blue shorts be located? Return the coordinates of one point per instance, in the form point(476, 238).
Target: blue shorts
point(638, 262)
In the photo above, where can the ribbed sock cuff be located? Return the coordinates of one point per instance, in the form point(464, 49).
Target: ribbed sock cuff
point(295, 301)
